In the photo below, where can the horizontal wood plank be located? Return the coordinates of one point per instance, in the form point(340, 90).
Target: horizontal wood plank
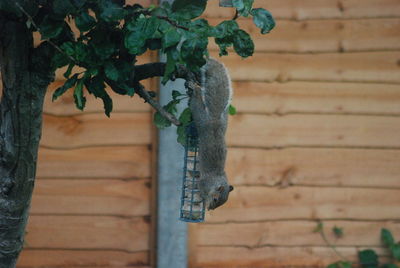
point(31, 258)
point(255, 203)
point(324, 35)
point(293, 233)
point(313, 130)
point(316, 97)
point(92, 197)
point(316, 9)
point(122, 162)
point(65, 104)
point(274, 257)
point(314, 167)
point(88, 233)
point(96, 129)
point(379, 67)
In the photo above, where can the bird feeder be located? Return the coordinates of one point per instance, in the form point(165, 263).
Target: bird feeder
point(192, 205)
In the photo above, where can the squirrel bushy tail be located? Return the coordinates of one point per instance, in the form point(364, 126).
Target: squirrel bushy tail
point(210, 114)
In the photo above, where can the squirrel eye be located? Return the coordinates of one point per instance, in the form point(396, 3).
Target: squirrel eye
point(220, 189)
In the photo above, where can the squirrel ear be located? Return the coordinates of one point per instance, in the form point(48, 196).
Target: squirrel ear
point(230, 188)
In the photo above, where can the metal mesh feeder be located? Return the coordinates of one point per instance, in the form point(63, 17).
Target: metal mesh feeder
point(192, 205)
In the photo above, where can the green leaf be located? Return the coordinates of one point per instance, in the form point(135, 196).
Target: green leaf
point(62, 8)
point(193, 51)
point(337, 231)
point(50, 28)
point(186, 117)
point(67, 85)
point(243, 6)
point(108, 104)
point(263, 20)
point(387, 237)
point(170, 66)
point(242, 44)
point(332, 265)
point(181, 132)
point(176, 94)
point(160, 121)
point(69, 70)
point(319, 228)
point(395, 249)
point(170, 38)
point(59, 60)
point(188, 9)
point(390, 265)
point(340, 264)
point(368, 258)
point(84, 22)
point(111, 71)
point(80, 100)
point(225, 28)
point(110, 11)
point(231, 109)
point(139, 31)
point(68, 48)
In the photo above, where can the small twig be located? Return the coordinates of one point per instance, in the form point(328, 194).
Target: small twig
point(38, 29)
point(333, 247)
point(236, 15)
point(142, 92)
point(173, 23)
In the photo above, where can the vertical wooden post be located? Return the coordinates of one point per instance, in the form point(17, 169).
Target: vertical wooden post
point(171, 232)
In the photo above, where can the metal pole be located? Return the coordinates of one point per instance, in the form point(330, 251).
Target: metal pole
point(171, 232)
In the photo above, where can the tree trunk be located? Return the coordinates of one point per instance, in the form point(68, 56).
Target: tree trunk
point(25, 75)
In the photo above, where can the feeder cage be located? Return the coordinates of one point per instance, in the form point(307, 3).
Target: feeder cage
point(192, 205)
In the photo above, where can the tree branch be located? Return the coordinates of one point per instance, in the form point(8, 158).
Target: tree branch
point(30, 19)
point(142, 92)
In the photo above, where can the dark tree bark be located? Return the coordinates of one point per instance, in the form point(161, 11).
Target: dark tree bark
point(25, 75)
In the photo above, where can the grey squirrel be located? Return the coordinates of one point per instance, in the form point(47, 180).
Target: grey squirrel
point(209, 109)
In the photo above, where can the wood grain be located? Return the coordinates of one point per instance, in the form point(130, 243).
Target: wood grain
point(96, 129)
point(324, 35)
point(122, 162)
point(31, 258)
point(316, 97)
point(255, 203)
point(88, 233)
point(316, 9)
point(274, 257)
point(65, 105)
point(249, 130)
point(92, 197)
point(379, 67)
point(314, 167)
point(293, 233)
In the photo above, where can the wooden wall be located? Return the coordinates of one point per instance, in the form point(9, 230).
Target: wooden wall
point(317, 137)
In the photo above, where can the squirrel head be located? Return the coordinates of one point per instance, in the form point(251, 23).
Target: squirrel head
point(216, 194)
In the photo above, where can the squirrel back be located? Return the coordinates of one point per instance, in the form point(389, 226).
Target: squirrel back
point(210, 114)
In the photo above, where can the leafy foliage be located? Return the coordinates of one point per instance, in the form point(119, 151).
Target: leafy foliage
point(367, 258)
point(112, 34)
